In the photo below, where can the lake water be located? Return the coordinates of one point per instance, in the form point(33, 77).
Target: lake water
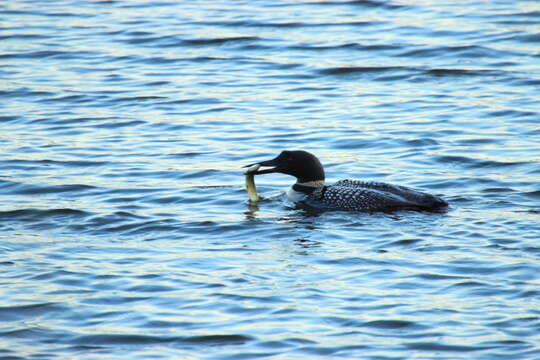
point(126, 232)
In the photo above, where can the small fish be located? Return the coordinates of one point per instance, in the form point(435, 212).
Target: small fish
point(250, 183)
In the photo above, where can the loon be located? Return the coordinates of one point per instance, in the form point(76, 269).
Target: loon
point(350, 195)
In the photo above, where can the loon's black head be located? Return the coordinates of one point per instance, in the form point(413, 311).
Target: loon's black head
point(304, 166)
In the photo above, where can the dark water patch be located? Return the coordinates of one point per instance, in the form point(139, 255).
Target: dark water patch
point(9, 118)
point(379, 47)
point(21, 12)
point(72, 98)
point(165, 200)
point(134, 100)
point(117, 124)
point(151, 289)
point(205, 59)
point(157, 60)
point(438, 277)
point(105, 222)
point(16, 36)
point(347, 46)
point(113, 300)
point(516, 343)
point(53, 275)
point(474, 269)
point(19, 312)
point(530, 17)
point(45, 54)
point(512, 113)
point(477, 141)
point(139, 191)
point(320, 350)
point(139, 37)
point(516, 21)
point(533, 194)
point(274, 344)
point(135, 339)
point(531, 294)
point(76, 121)
point(533, 169)
point(470, 51)
point(392, 324)
point(69, 14)
point(152, 5)
point(248, 23)
point(218, 339)
point(219, 41)
point(529, 38)
point(498, 190)
point(283, 25)
point(24, 93)
point(403, 243)
point(360, 3)
point(170, 324)
point(20, 164)
point(28, 189)
point(133, 33)
point(311, 88)
point(531, 323)
point(518, 349)
point(256, 299)
point(188, 154)
point(147, 227)
point(158, 83)
point(440, 347)
point(448, 72)
point(39, 214)
point(343, 322)
point(415, 143)
point(33, 332)
point(195, 101)
point(286, 66)
point(209, 111)
point(256, 47)
point(347, 70)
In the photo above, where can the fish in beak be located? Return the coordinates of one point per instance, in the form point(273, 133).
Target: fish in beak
point(254, 168)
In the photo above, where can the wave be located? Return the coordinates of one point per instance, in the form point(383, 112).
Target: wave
point(345, 70)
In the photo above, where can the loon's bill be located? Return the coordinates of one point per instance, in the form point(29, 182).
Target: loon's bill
point(351, 195)
point(254, 168)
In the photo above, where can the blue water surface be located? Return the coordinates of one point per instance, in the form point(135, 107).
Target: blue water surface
point(125, 230)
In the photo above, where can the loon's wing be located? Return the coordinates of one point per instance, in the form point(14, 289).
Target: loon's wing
point(408, 195)
point(356, 199)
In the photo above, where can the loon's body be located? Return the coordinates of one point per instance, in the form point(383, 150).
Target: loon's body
point(351, 195)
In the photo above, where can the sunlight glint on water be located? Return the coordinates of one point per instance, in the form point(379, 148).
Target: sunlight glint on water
point(126, 232)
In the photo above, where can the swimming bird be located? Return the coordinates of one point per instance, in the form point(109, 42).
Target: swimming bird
point(351, 195)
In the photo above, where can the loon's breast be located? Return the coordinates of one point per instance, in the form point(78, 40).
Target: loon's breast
point(295, 196)
point(354, 195)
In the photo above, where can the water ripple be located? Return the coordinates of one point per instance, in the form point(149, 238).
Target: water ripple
point(126, 230)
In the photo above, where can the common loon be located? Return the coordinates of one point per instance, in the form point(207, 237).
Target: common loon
point(351, 195)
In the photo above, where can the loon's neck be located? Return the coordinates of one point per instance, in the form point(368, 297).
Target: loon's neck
point(308, 187)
